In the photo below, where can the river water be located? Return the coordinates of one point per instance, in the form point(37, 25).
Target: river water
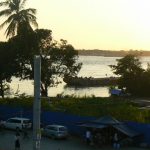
point(93, 66)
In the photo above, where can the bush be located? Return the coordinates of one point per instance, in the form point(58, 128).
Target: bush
point(119, 108)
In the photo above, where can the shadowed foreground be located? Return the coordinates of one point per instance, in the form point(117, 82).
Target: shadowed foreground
point(73, 143)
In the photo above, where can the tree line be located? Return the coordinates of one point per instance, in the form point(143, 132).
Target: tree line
point(112, 53)
point(133, 78)
point(58, 58)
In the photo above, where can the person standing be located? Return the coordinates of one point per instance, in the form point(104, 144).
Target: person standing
point(17, 132)
point(116, 144)
point(25, 132)
point(17, 142)
point(88, 137)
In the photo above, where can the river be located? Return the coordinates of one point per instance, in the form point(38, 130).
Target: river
point(93, 66)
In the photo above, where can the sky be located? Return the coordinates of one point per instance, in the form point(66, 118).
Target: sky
point(96, 24)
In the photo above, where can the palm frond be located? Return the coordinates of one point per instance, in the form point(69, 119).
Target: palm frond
point(17, 16)
point(4, 24)
point(5, 12)
point(6, 3)
point(33, 22)
point(29, 10)
point(30, 18)
point(9, 20)
point(11, 29)
point(22, 4)
point(14, 5)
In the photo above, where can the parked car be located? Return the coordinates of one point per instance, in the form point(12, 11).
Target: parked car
point(55, 131)
point(17, 123)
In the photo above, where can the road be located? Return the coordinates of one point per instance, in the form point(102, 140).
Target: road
point(7, 143)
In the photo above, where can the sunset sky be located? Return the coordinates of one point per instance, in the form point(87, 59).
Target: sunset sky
point(96, 24)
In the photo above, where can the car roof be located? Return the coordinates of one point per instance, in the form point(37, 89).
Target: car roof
point(56, 125)
point(19, 118)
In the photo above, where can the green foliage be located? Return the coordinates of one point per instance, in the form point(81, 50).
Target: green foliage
point(132, 77)
point(119, 108)
point(18, 17)
point(126, 65)
point(7, 67)
point(57, 59)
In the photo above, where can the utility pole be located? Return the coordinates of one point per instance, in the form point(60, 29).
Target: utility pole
point(37, 103)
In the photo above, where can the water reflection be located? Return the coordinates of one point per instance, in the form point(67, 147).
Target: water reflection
point(27, 87)
point(86, 92)
point(94, 66)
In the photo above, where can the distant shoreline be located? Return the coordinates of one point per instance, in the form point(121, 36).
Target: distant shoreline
point(109, 53)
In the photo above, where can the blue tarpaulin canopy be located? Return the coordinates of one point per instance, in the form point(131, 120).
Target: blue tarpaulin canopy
point(117, 92)
point(91, 125)
point(126, 130)
point(108, 121)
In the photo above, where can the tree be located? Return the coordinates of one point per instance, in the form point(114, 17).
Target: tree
point(145, 84)
point(7, 67)
point(18, 17)
point(130, 71)
point(24, 46)
point(57, 58)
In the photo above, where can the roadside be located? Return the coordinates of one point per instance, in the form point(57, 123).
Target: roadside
point(73, 143)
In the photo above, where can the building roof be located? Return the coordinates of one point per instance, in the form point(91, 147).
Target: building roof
point(107, 121)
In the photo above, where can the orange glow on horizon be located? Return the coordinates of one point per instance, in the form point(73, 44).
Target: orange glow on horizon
point(96, 24)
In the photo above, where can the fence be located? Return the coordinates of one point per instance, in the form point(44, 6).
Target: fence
point(71, 121)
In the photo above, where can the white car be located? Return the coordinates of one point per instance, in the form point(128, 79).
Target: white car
point(55, 131)
point(17, 123)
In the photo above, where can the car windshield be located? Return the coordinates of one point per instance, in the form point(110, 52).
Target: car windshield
point(26, 121)
point(62, 129)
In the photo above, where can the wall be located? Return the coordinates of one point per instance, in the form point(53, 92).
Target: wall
point(71, 121)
